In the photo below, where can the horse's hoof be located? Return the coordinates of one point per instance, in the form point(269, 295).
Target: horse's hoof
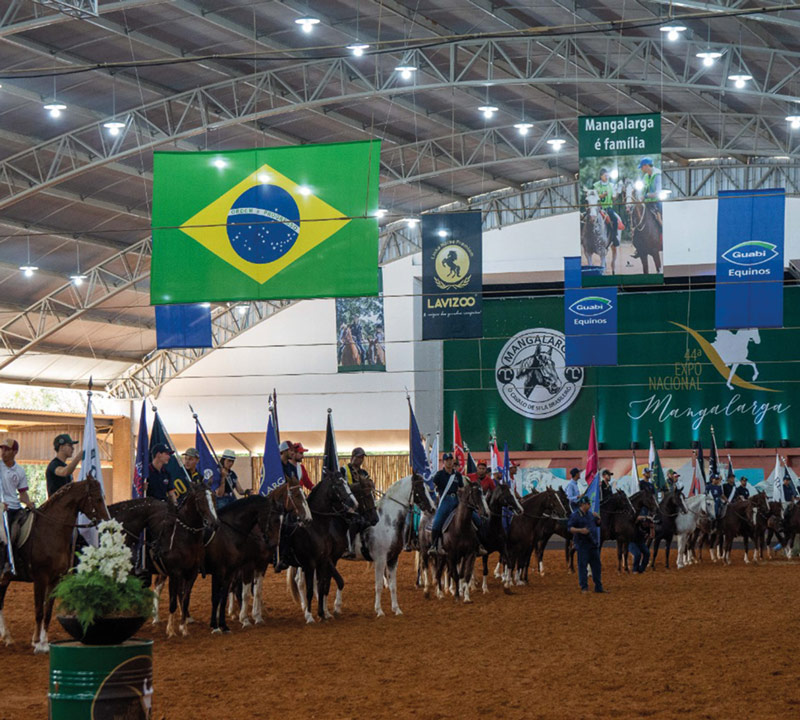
point(42, 649)
point(225, 630)
point(258, 620)
point(467, 601)
point(329, 616)
point(184, 631)
point(397, 611)
point(379, 613)
point(189, 620)
point(155, 621)
point(310, 619)
point(485, 591)
point(216, 631)
point(246, 623)
point(8, 640)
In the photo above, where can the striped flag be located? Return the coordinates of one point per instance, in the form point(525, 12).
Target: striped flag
point(698, 482)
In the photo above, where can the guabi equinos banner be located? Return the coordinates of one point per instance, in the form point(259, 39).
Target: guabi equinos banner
point(621, 195)
point(676, 375)
point(452, 275)
point(590, 326)
point(750, 239)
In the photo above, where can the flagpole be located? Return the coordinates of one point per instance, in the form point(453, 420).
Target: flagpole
point(203, 433)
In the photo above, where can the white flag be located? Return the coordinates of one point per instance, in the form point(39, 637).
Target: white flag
point(434, 461)
point(90, 467)
point(777, 481)
point(651, 457)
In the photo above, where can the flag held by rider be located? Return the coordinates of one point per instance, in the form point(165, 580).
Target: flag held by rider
point(272, 468)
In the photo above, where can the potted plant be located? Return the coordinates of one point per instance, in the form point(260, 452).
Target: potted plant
point(100, 602)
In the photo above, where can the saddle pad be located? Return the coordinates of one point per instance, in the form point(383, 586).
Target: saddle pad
point(25, 530)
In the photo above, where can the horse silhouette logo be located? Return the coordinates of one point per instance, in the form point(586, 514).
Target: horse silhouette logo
point(532, 376)
point(451, 262)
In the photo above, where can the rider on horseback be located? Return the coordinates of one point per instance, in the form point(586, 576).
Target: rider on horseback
point(605, 192)
point(159, 484)
point(190, 460)
point(354, 473)
point(13, 491)
point(652, 187)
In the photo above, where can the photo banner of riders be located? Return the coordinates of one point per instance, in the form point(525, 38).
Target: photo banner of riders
point(452, 275)
point(360, 333)
point(590, 325)
point(694, 376)
point(750, 244)
point(621, 196)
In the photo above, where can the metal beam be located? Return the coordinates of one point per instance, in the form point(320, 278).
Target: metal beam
point(107, 317)
point(46, 231)
point(318, 84)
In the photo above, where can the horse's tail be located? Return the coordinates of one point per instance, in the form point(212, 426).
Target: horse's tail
point(291, 585)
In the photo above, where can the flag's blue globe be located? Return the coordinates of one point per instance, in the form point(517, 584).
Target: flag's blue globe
point(263, 223)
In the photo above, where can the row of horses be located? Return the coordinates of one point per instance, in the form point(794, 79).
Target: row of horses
point(237, 544)
point(644, 228)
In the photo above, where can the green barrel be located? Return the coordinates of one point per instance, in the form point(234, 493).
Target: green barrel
point(96, 682)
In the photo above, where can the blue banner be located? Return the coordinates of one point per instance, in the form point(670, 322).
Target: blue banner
point(750, 231)
point(183, 326)
point(590, 326)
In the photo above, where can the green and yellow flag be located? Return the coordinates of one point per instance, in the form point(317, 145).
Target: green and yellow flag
point(290, 222)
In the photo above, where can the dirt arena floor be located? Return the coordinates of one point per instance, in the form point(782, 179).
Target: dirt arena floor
point(703, 642)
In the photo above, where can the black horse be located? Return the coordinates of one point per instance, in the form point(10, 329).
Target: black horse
point(543, 515)
point(492, 533)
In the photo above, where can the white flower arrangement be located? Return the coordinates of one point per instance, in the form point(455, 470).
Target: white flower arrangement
point(112, 557)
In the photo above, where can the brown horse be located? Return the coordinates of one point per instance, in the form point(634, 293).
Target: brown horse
point(47, 553)
point(350, 353)
point(740, 518)
point(645, 230)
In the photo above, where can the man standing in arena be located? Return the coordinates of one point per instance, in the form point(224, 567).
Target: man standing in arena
point(59, 471)
point(582, 524)
point(14, 494)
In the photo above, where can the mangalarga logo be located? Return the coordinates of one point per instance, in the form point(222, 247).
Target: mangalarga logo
point(727, 352)
point(751, 252)
point(591, 306)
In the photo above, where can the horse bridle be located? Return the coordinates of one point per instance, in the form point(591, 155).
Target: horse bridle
point(95, 522)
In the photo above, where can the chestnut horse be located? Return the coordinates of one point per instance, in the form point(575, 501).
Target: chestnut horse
point(47, 553)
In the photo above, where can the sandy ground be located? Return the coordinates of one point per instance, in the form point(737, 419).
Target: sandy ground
point(626, 263)
point(704, 642)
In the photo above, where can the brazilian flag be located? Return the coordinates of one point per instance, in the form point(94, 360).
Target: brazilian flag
point(289, 222)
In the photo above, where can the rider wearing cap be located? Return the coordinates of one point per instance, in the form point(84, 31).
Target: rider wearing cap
point(572, 489)
point(159, 484)
point(606, 491)
point(354, 473)
point(447, 482)
point(715, 490)
point(228, 480)
point(605, 193)
point(729, 487)
point(673, 481)
point(646, 483)
point(302, 473)
point(741, 492)
point(582, 525)
point(190, 459)
point(59, 471)
point(651, 177)
point(287, 459)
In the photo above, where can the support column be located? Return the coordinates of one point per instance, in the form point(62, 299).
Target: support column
point(120, 486)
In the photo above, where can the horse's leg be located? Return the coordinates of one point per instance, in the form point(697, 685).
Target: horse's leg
point(380, 568)
point(258, 599)
point(173, 605)
point(469, 567)
point(339, 580)
point(645, 263)
point(5, 635)
point(215, 590)
point(392, 567)
point(246, 594)
point(308, 574)
point(667, 545)
point(734, 366)
point(225, 588)
point(157, 588)
point(186, 593)
point(755, 369)
point(485, 584)
point(39, 587)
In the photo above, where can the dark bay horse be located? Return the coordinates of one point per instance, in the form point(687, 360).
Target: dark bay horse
point(460, 541)
point(740, 519)
point(492, 534)
point(48, 552)
point(645, 231)
point(618, 523)
point(319, 545)
point(229, 548)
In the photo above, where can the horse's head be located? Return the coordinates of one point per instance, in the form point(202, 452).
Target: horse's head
point(504, 497)
point(709, 506)
point(341, 494)
point(754, 336)
point(92, 503)
point(472, 496)
point(420, 494)
point(295, 499)
point(268, 519)
point(649, 500)
point(631, 194)
point(202, 501)
point(364, 493)
point(592, 201)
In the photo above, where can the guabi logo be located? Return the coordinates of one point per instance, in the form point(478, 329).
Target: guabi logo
point(532, 376)
point(591, 306)
point(751, 252)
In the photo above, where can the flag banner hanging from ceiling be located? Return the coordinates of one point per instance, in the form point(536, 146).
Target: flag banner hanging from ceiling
point(452, 275)
point(277, 223)
point(360, 335)
point(621, 194)
point(590, 325)
point(750, 235)
point(183, 326)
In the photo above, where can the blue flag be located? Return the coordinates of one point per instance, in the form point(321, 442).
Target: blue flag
point(506, 466)
point(207, 466)
point(141, 467)
point(183, 326)
point(420, 463)
point(272, 468)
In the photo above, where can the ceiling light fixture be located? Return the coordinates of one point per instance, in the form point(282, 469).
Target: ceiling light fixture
point(488, 111)
point(794, 120)
point(242, 309)
point(740, 80)
point(523, 127)
point(411, 222)
point(77, 279)
point(307, 23)
point(556, 143)
point(28, 270)
point(55, 109)
point(381, 212)
point(709, 57)
point(114, 127)
point(673, 31)
point(406, 71)
point(358, 49)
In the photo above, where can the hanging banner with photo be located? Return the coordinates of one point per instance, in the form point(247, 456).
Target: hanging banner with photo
point(621, 194)
point(750, 235)
point(452, 275)
point(360, 337)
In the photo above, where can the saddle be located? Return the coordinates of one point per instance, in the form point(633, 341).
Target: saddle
point(607, 220)
point(20, 529)
point(445, 524)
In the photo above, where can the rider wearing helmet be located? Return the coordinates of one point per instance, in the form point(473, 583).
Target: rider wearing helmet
point(228, 480)
point(605, 193)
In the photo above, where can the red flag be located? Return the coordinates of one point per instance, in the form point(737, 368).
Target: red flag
point(458, 446)
point(591, 457)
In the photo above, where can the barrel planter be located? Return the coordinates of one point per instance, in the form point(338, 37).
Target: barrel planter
point(101, 682)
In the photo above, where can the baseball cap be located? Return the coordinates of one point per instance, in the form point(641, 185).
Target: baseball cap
point(584, 500)
point(298, 447)
point(645, 161)
point(159, 448)
point(63, 439)
point(574, 472)
point(191, 452)
point(357, 452)
point(447, 456)
point(480, 462)
point(228, 455)
point(606, 471)
point(285, 445)
point(647, 470)
point(10, 444)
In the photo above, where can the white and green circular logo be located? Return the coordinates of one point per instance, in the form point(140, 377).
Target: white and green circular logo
point(532, 377)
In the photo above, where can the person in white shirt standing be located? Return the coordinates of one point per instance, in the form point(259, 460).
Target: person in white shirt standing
point(14, 491)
